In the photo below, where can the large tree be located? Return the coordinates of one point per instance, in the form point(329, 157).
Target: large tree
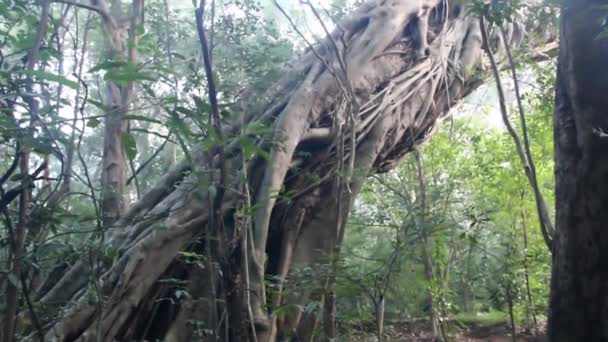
point(352, 105)
point(579, 286)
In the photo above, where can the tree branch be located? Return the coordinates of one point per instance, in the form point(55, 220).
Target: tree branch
point(13, 166)
point(214, 115)
point(101, 11)
point(149, 160)
point(540, 202)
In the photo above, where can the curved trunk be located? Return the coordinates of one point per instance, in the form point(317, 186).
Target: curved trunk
point(401, 98)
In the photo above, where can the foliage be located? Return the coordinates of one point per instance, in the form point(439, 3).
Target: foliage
point(477, 196)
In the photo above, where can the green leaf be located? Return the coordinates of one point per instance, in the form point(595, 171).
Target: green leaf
point(43, 75)
point(170, 100)
point(99, 105)
point(50, 249)
point(43, 146)
point(179, 56)
point(201, 104)
point(127, 76)
point(149, 90)
point(142, 118)
point(128, 141)
point(13, 280)
point(140, 30)
point(250, 148)
point(16, 177)
point(107, 66)
point(93, 123)
point(189, 113)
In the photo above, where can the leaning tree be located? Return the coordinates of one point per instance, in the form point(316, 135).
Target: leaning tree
point(351, 105)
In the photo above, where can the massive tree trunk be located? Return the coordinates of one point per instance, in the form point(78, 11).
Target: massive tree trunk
point(579, 286)
point(400, 98)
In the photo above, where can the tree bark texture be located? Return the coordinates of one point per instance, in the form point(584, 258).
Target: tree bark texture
point(402, 98)
point(119, 32)
point(427, 243)
point(579, 284)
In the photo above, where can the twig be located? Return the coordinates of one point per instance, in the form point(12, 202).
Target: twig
point(30, 307)
point(134, 176)
point(149, 160)
point(309, 44)
point(13, 166)
point(89, 182)
point(354, 106)
point(246, 233)
point(12, 194)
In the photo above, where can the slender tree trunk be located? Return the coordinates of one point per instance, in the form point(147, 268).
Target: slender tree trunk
point(523, 150)
point(17, 235)
point(579, 282)
point(169, 50)
point(380, 319)
point(329, 312)
point(531, 309)
point(426, 245)
point(329, 300)
point(467, 300)
point(511, 314)
point(17, 252)
point(428, 275)
point(122, 41)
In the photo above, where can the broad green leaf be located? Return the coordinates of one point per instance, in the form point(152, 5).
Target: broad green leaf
point(140, 30)
point(129, 144)
point(189, 113)
point(107, 66)
point(43, 75)
point(16, 177)
point(201, 104)
point(127, 76)
point(142, 118)
point(93, 123)
point(13, 280)
point(100, 105)
point(149, 90)
point(179, 56)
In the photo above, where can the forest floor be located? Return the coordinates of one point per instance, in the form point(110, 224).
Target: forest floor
point(458, 331)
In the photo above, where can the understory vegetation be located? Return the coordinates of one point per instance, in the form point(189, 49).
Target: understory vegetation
point(480, 227)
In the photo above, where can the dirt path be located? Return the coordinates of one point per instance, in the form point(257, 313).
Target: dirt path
point(418, 331)
point(499, 332)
